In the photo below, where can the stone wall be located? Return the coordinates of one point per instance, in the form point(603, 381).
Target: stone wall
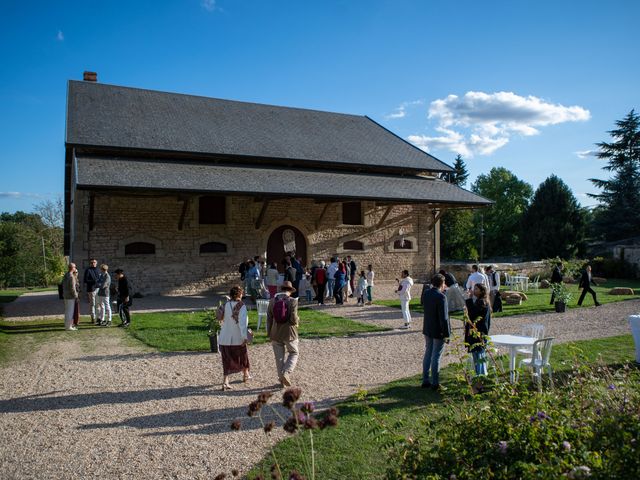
point(628, 253)
point(178, 267)
point(462, 270)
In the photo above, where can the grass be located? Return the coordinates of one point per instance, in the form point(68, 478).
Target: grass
point(351, 450)
point(538, 301)
point(19, 338)
point(11, 294)
point(170, 332)
point(166, 331)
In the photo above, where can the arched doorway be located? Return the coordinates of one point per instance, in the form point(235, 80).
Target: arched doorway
point(285, 239)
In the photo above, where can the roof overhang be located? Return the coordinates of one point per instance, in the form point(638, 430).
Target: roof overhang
point(110, 173)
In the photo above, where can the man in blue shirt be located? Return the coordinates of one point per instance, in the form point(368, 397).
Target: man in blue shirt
point(436, 330)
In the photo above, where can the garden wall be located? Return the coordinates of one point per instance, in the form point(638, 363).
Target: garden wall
point(462, 270)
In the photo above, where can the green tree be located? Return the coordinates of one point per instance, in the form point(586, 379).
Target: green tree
point(619, 214)
point(30, 248)
point(554, 225)
point(457, 231)
point(502, 220)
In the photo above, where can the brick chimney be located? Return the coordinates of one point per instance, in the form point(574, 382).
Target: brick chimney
point(90, 76)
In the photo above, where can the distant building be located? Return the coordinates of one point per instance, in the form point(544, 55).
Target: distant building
point(178, 189)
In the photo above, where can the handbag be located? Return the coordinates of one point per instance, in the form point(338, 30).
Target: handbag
point(249, 335)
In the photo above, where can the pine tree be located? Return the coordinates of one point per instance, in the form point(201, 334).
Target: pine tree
point(457, 231)
point(554, 225)
point(618, 216)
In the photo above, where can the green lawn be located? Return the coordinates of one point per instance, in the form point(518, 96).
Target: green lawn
point(169, 331)
point(538, 301)
point(352, 450)
point(11, 294)
point(166, 331)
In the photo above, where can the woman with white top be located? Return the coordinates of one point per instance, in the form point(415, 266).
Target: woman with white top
point(370, 275)
point(232, 338)
point(404, 292)
point(272, 279)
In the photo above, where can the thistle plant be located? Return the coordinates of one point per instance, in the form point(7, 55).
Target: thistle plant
point(300, 423)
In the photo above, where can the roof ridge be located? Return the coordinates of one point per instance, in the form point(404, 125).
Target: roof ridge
point(81, 82)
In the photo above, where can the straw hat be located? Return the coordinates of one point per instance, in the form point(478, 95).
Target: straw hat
point(286, 285)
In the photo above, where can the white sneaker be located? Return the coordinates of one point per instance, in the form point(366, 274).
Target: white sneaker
point(72, 328)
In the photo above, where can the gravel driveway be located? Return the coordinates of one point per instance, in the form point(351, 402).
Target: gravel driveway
point(94, 404)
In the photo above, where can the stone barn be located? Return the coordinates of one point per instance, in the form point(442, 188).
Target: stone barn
point(179, 189)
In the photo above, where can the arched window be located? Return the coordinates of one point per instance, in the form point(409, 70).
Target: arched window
point(139, 248)
point(353, 245)
point(213, 247)
point(403, 244)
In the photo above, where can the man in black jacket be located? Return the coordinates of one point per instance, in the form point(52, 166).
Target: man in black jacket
point(436, 330)
point(90, 280)
point(124, 297)
point(585, 284)
point(556, 277)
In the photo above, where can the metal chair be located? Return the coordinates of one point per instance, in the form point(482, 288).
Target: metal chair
point(540, 360)
point(262, 312)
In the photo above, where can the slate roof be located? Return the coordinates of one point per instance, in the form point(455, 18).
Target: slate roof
point(127, 173)
point(108, 116)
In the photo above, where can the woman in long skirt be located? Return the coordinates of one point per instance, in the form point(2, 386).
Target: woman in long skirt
point(233, 338)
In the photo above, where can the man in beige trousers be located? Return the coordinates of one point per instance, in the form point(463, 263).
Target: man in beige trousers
point(282, 330)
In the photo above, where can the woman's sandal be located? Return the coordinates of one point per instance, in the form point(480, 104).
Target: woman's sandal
point(226, 386)
point(246, 378)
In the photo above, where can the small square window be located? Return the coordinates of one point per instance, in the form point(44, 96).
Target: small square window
point(352, 213)
point(212, 211)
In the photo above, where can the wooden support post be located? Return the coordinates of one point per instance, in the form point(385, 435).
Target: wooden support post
point(185, 206)
point(384, 216)
point(92, 204)
point(263, 211)
point(321, 217)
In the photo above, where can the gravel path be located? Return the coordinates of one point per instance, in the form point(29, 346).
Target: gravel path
point(92, 404)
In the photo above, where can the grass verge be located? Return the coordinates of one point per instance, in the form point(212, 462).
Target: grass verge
point(168, 331)
point(538, 301)
point(355, 450)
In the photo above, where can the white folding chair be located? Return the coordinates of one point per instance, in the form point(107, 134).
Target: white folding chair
point(535, 284)
point(508, 280)
point(262, 312)
point(535, 330)
point(540, 360)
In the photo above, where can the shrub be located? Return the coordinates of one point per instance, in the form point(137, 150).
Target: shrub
point(588, 427)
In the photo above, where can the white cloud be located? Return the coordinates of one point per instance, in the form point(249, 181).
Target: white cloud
point(401, 110)
point(20, 195)
point(60, 36)
point(209, 5)
point(488, 120)
point(586, 153)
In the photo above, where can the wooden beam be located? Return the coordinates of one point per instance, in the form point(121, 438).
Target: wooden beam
point(384, 216)
point(185, 206)
point(437, 215)
point(92, 207)
point(263, 211)
point(321, 217)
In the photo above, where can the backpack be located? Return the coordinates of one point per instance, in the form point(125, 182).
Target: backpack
point(220, 311)
point(281, 310)
point(321, 275)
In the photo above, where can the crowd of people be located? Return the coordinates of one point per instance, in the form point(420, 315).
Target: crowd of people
point(337, 279)
point(99, 289)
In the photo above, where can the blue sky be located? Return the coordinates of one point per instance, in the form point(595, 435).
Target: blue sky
point(520, 84)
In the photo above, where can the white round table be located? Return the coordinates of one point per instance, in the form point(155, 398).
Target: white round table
point(513, 342)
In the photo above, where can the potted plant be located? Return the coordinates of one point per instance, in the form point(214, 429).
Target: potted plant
point(562, 296)
point(213, 326)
